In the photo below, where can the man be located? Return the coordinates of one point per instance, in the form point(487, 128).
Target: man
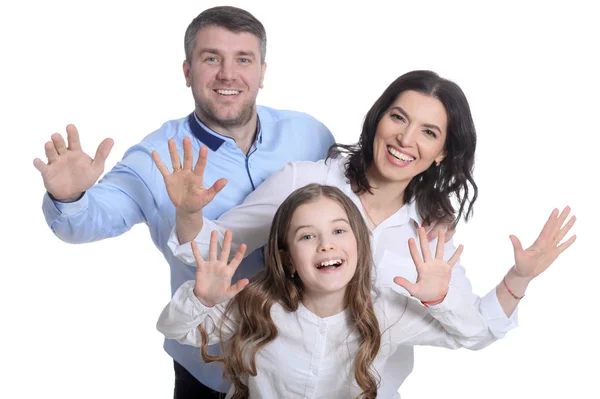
point(225, 65)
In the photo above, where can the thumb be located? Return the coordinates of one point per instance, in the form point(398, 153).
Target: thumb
point(237, 287)
point(516, 243)
point(214, 190)
point(103, 151)
point(407, 285)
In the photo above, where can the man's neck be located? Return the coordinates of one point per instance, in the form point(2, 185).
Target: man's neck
point(244, 135)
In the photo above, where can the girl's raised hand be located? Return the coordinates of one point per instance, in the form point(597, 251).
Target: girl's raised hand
point(433, 272)
point(213, 277)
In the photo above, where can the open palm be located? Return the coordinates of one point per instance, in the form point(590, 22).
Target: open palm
point(186, 185)
point(70, 171)
point(213, 276)
point(433, 272)
point(534, 260)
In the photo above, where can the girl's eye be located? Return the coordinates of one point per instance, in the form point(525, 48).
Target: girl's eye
point(339, 231)
point(306, 237)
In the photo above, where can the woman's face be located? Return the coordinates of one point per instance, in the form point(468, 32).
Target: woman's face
point(410, 137)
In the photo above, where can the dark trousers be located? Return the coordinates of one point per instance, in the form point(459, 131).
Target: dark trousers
point(188, 387)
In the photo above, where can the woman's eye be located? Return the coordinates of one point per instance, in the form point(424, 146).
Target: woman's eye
point(398, 117)
point(339, 231)
point(430, 133)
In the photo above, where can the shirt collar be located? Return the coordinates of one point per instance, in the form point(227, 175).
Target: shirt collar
point(209, 137)
point(259, 134)
point(413, 212)
point(303, 312)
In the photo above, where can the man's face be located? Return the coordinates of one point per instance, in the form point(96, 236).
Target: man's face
point(225, 74)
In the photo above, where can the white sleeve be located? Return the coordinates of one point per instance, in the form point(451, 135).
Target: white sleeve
point(250, 222)
point(181, 317)
point(453, 323)
point(489, 306)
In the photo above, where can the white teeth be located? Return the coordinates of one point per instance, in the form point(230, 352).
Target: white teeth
point(228, 92)
point(401, 156)
point(335, 262)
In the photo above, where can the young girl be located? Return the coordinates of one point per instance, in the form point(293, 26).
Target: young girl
point(307, 325)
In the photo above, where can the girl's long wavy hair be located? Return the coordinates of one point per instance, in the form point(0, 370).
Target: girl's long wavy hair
point(275, 284)
point(434, 188)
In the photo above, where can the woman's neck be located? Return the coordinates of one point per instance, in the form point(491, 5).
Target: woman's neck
point(386, 199)
point(325, 304)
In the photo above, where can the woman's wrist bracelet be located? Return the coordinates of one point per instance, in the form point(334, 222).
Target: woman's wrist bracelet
point(510, 292)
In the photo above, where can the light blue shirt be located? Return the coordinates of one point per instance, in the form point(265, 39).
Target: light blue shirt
point(134, 192)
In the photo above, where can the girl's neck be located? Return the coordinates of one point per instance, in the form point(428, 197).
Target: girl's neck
point(325, 304)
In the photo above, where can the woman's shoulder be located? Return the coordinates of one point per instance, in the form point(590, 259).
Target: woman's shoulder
point(326, 163)
point(322, 169)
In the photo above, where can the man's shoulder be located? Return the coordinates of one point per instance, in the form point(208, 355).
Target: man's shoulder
point(170, 129)
point(158, 139)
point(272, 116)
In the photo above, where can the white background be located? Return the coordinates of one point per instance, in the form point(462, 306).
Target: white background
point(78, 321)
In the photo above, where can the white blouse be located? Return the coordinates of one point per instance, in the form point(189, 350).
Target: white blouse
point(313, 357)
point(250, 223)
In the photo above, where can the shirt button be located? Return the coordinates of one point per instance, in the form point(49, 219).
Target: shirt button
point(315, 371)
point(322, 331)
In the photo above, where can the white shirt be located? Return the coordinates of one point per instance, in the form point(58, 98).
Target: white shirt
point(250, 223)
point(313, 357)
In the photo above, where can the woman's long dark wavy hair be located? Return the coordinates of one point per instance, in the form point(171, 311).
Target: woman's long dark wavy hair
point(251, 308)
point(434, 188)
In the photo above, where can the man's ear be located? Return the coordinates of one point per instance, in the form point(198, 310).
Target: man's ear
point(262, 75)
point(186, 72)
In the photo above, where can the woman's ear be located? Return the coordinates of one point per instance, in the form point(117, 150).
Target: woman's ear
point(440, 158)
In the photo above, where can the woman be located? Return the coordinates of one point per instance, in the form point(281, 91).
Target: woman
point(414, 159)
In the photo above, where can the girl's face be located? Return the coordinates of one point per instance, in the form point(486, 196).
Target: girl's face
point(322, 247)
point(410, 137)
